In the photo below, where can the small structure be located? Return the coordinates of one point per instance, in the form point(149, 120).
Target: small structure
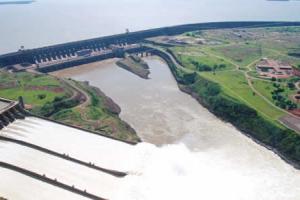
point(274, 69)
point(84, 53)
point(117, 50)
point(296, 72)
point(19, 67)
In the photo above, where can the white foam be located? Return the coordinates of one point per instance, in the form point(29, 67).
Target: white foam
point(174, 172)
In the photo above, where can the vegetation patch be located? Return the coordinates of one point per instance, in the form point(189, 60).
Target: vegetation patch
point(247, 119)
point(36, 90)
point(279, 93)
point(242, 54)
point(234, 84)
point(198, 59)
point(67, 101)
point(98, 113)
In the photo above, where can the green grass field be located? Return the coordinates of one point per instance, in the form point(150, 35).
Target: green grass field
point(24, 86)
point(30, 96)
point(44, 81)
point(241, 54)
point(234, 84)
point(243, 48)
point(189, 54)
point(265, 88)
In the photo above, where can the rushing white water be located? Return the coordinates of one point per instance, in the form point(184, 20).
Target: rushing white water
point(169, 172)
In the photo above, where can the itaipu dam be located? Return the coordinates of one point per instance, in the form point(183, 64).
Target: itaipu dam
point(202, 157)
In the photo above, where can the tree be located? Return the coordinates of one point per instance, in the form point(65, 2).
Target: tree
point(222, 65)
point(276, 85)
point(189, 78)
point(291, 85)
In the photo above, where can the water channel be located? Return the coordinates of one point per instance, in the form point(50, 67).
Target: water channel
point(196, 155)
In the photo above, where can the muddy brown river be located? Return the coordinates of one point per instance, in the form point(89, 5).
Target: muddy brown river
point(196, 155)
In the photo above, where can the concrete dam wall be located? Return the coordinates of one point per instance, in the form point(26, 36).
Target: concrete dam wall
point(61, 51)
point(10, 111)
point(84, 60)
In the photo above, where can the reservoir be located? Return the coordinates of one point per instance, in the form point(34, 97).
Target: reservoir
point(46, 22)
point(191, 146)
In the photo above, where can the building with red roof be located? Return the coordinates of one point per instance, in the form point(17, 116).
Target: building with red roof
point(274, 69)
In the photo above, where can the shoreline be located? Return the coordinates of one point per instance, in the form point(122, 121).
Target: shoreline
point(199, 100)
point(79, 69)
point(270, 148)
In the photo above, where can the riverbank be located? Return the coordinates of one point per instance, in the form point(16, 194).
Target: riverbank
point(69, 102)
point(248, 133)
point(98, 113)
point(281, 141)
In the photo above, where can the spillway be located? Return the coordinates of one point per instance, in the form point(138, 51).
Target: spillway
point(20, 187)
point(89, 148)
point(81, 177)
point(76, 143)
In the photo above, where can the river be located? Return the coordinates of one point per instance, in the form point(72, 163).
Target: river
point(197, 156)
point(48, 22)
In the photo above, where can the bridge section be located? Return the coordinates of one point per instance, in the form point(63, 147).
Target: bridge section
point(67, 50)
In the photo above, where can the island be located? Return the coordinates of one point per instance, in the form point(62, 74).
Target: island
point(15, 2)
point(135, 65)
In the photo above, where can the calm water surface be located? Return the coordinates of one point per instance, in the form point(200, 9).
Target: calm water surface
point(51, 21)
